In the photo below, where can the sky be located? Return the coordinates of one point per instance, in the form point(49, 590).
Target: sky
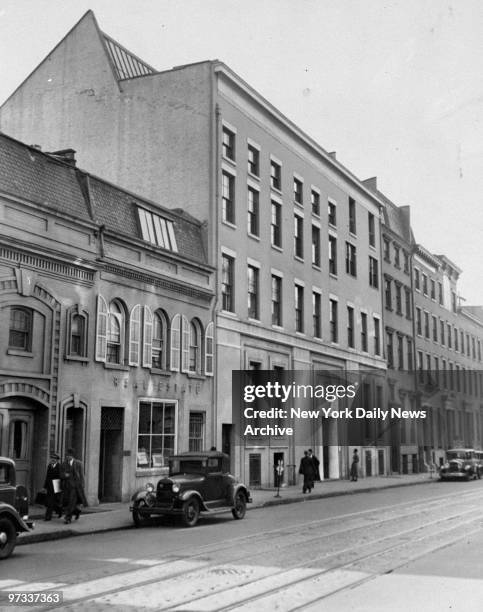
point(394, 87)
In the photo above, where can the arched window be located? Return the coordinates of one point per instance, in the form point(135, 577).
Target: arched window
point(76, 337)
point(160, 341)
point(115, 333)
point(195, 347)
point(20, 331)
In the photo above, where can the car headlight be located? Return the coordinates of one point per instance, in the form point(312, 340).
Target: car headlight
point(150, 487)
point(467, 467)
point(175, 488)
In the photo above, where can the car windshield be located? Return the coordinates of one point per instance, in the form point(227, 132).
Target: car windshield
point(187, 466)
point(459, 455)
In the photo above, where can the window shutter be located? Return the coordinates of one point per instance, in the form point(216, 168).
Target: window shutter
point(134, 335)
point(101, 329)
point(185, 348)
point(175, 343)
point(148, 338)
point(209, 349)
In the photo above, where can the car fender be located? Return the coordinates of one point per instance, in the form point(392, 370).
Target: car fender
point(235, 488)
point(141, 494)
point(7, 511)
point(185, 495)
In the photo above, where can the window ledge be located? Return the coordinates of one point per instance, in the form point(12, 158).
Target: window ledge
point(277, 248)
point(19, 353)
point(298, 258)
point(254, 236)
point(254, 176)
point(195, 376)
point(116, 366)
point(229, 224)
point(140, 471)
point(76, 358)
point(160, 372)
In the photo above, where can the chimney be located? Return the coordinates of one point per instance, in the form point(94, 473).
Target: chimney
point(65, 155)
point(332, 154)
point(37, 147)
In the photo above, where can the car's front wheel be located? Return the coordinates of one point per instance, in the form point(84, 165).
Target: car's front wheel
point(191, 512)
point(8, 537)
point(240, 506)
point(138, 518)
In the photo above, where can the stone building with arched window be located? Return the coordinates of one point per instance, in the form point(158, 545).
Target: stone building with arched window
point(106, 332)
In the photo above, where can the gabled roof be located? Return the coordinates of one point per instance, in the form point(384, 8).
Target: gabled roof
point(126, 64)
point(396, 218)
point(44, 179)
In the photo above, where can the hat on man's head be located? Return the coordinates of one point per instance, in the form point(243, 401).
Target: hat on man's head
point(54, 456)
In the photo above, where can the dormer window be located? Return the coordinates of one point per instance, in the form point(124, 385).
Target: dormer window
point(157, 230)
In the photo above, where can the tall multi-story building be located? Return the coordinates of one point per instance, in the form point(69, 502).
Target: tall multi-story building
point(293, 235)
point(106, 310)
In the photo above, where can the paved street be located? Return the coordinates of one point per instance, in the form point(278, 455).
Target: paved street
point(415, 547)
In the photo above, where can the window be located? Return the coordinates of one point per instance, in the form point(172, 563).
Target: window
point(388, 293)
point(406, 262)
point(387, 249)
point(157, 230)
point(135, 335)
point(432, 285)
point(372, 230)
point(332, 214)
point(228, 198)
point(196, 435)
point(462, 342)
point(115, 333)
point(315, 202)
point(298, 191)
point(156, 433)
point(316, 314)
point(397, 256)
point(441, 332)
point(448, 335)
point(409, 344)
point(364, 332)
point(253, 212)
point(209, 349)
point(275, 175)
point(276, 300)
point(228, 144)
point(333, 322)
point(276, 225)
point(398, 291)
point(194, 347)
point(407, 296)
point(175, 343)
point(350, 259)
point(253, 161)
point(298, 236)
point(390, 349)
point(440, 293)
point(420, 365)
point(455, 332)
point(419, 322)
point(227, 283)
point(299, 308)
point(400, 352)
point(315, 245)
point(352, 216)
point(416, 279)
point(253, 274)
point(435, 328)
point(425, 284)
point(373, 272)
point(20, 331)
point(426, 324)
point(332, 254)
point(159, 351)
point(76, 333)
point(350, 326)
point(377, 336)
point(453, 301)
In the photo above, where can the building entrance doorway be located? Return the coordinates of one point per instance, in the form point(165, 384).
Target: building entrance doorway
point(110, 455)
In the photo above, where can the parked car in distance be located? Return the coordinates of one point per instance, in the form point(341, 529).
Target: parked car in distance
point(13, 508)
point(197, 482)
point(461, 463)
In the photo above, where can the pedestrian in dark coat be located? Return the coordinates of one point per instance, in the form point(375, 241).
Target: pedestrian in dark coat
point(316, 464)
point(354, 466)
point(307, 469)
point(52, 488)
point(73, 485)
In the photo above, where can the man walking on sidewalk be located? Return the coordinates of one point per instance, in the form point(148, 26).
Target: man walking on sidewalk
point(52, 487)
point(73, 484)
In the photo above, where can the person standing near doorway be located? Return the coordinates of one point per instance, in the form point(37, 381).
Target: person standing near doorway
point(355, 466)
point(52, 487)
point(73, 484)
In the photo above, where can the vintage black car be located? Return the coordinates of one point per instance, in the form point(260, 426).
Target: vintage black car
point(460, 463)
point(197, 482)
point(13, 508)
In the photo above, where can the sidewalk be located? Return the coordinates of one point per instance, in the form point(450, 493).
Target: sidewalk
point(115, 516)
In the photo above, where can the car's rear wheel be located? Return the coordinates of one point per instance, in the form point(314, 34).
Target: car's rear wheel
point(240, 506)
point(138, 518)
point(8, 537)
point(191, 512)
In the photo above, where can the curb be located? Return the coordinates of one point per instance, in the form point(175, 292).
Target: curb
point(35, 538)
